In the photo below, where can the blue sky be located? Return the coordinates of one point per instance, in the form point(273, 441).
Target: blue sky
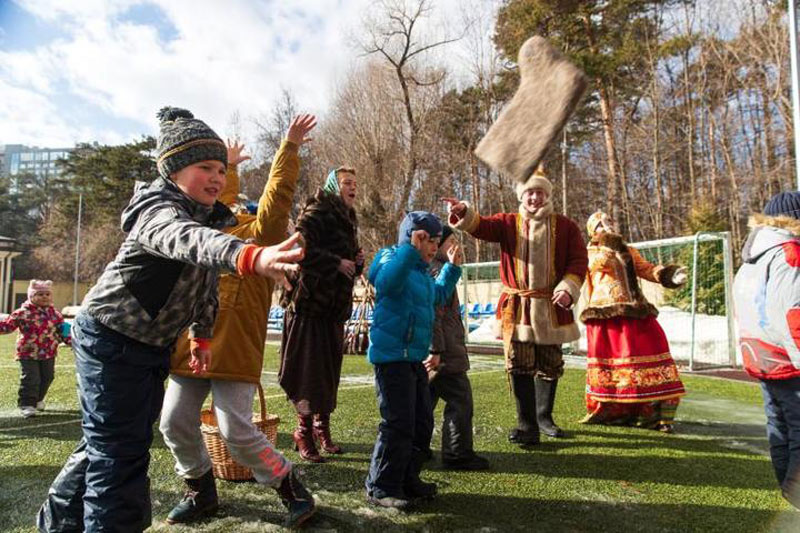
point(98, 70)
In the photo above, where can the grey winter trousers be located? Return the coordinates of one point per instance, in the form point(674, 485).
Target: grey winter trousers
point(233, 406)
point(35, 378)
point(456, 391)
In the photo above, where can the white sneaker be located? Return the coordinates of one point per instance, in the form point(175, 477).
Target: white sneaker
point(40, 405)
point(28, 411)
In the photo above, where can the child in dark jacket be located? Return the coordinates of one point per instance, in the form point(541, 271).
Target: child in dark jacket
point(400, 336)
point(163, 280)
point(39, 326)
point(450, 381)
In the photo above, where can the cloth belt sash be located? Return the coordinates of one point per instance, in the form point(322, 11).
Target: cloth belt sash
point(509, 321)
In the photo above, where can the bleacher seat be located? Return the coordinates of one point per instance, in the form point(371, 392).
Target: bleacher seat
point(475, 310)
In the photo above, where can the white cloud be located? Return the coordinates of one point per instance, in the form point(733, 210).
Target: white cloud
point(227, 56)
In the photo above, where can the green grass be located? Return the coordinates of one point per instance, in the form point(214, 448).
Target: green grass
point(713, 475)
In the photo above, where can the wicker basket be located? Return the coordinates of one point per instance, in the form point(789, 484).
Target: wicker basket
point(224, 466)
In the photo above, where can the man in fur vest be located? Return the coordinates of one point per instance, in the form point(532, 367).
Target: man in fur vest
point(542, 267)
point(767, 297)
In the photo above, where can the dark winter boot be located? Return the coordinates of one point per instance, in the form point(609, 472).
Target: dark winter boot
point(527, 431)
point(545, 400)
point(414, 488)
point(297, 500)
point(390, 502)
point(322, 433)
point(304, 440)
point(473, 462)
point(199, 501)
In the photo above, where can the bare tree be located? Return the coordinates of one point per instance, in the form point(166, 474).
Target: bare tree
point(393, 33)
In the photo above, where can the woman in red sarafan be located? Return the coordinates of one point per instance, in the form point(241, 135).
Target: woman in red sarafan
point(631, 378)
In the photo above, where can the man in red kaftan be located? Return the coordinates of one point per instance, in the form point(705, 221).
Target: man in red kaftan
point(543, 265)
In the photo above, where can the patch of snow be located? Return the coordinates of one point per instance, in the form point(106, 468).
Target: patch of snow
point(711, 335)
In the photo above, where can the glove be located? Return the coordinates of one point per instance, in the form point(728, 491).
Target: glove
point(680, 276)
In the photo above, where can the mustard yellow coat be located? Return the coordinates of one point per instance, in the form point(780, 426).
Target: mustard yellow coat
point(237, 348)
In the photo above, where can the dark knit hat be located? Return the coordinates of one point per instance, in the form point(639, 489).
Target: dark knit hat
point(416, 220)
point(785, 203)
point(446, 232)
point(185, 140)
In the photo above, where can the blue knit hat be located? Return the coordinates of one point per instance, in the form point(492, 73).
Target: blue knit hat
point(785, 203)
point(416, 220)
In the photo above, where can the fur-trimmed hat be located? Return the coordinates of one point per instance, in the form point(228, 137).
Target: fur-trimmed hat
point(786, 203)
point(595, 219)
point(39, 285)
point(184, 140)
point(538, 180)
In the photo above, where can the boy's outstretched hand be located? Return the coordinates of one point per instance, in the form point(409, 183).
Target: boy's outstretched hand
point(235, 153)
point(277, 261)
point(299, 128)
point(454, 255)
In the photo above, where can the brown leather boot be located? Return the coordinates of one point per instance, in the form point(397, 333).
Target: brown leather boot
point(304, 440)
point(322, 433)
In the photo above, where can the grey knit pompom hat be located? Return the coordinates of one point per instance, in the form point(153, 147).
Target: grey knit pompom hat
point(185, 140)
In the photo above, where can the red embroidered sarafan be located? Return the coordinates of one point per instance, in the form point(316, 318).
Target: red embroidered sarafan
point(629, 363)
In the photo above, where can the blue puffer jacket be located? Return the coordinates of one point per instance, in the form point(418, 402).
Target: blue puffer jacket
point(405, 295)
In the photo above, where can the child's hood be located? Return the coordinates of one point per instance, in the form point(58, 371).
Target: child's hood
point(162, 190)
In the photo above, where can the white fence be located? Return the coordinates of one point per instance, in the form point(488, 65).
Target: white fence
point(698, 319)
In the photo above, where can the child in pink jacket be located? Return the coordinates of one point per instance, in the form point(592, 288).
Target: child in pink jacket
point(39, 326)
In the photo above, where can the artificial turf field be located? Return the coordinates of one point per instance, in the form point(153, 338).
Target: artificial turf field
point(712, 475)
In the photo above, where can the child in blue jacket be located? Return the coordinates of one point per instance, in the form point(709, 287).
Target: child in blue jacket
point(400, 337)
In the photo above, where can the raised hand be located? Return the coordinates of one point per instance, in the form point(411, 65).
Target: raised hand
point(455, 207)
point(418, 238)
point(235, 153)
point(299, 128)
point(277, 261)
point(680, 276)
point(454, 255)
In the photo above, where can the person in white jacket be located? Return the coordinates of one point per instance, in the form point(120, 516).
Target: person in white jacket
point(767, 298)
